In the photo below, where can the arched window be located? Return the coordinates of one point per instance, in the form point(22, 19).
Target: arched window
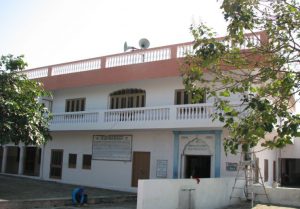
point(127, 98)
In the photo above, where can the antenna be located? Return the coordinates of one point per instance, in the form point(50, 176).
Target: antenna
point(144, 43)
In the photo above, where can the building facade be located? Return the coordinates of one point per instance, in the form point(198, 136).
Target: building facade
point(124, 117)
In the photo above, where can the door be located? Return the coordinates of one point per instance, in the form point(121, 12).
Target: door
point(140, 167)
point(32, 161)
point(197, 166)
point(12, 160)
point(1, 158)
point(56, 164)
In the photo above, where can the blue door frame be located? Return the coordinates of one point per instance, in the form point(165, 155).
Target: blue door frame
point(177, 134)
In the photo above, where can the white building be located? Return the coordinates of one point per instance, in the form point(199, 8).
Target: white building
point(123, 117)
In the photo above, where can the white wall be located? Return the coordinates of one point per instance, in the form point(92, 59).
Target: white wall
point(261, 153)
point(292, 150)
point(279, 196)
point(117, 174)
point(173, 194)
point(159, 92)
point(107, 174)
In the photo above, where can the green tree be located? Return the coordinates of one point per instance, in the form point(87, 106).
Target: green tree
point(22, 117)
point(257, 59)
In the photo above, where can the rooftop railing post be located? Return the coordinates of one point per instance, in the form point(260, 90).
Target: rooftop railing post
point(49, 71)
point(103, 62)
point(173, 52)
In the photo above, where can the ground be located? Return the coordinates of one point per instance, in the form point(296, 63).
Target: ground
point(20, 190)
point(247, 205)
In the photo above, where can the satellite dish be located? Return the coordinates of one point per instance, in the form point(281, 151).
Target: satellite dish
point(126, 47)
point(144, 43)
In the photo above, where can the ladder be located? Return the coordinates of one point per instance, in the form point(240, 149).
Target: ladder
point(248, 172)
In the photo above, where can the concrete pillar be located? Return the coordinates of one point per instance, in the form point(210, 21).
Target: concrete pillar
point(4, 159)
point(42, 162)
point(21, 160)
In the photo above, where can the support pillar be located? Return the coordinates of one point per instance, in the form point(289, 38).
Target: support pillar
point(4, 159)
point(21, 160)
point(42, 162)
point(218, 143)
point(175, 155)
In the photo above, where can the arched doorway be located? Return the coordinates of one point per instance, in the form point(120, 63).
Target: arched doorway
point(196, 159)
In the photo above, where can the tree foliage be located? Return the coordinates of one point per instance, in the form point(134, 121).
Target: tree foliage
point(22, 117)
point(259, 60)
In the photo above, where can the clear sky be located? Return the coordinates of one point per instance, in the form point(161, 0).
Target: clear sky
point(55, 31)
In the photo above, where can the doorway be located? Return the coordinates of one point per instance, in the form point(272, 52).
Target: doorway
point(56, 164)
point(140, 167)
point(197, 166)
point(1, 158)
point(32, 161)
point(290, 175)
point(12, 160)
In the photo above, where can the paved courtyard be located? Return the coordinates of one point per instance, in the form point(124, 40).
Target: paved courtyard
point(22, 190)
point(247, 205)
point(132, 205)
point(18, 188)
point(19, 193)
point(127, 205)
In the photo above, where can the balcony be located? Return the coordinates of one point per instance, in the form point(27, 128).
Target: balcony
point(165, 117)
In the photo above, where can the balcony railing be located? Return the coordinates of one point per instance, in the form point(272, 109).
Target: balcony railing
point(130, 58)
point(194, 112)
point(75, 118)
point(174, 116)
point(137, 114)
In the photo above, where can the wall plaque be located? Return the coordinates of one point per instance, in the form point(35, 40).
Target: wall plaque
point(112, 147)
point(161, 168)
point(231, 166)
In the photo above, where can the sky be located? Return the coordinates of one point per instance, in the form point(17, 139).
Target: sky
point(50, 32)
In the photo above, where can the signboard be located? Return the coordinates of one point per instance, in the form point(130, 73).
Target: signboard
point(197, 146)
point(161, 168)
point(112, 147)
point(231, 166)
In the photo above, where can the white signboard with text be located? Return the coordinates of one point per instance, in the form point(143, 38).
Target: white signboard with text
point(112, 147)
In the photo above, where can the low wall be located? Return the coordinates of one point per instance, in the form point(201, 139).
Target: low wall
point(209, 193)
point(279, 195)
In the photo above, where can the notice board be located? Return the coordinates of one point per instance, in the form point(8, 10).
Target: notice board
point(112, 147)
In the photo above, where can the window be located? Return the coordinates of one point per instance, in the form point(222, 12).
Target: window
point(75, 105)
point(266, 170)
point(127, 98)
point(86, 161)
point(183, 97)
point(72, 160)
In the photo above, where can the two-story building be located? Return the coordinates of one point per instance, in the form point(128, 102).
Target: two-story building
point(124, 117)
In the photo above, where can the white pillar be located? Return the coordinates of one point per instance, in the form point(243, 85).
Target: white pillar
point(4, 156)
point(21, 160)
point(42, 162)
